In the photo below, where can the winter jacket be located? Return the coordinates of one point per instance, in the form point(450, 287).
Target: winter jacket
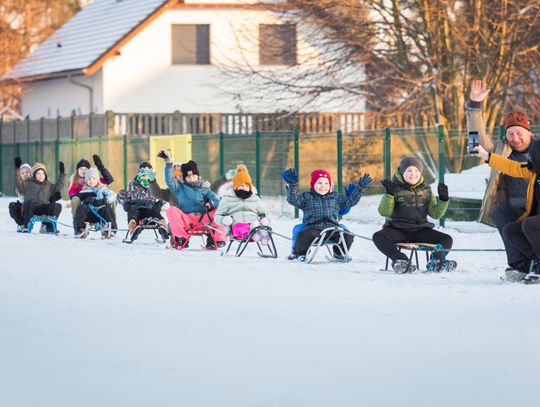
point(190, 197)
point(241, 210)
point(322, 211)
point(495, 192)
point(40, 193)
point(410, 206)
point(135, 191)
point(101, 192)
point(75, 187)
point(515, 169)
point(164, 194)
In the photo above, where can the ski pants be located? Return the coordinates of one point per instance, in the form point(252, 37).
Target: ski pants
point(180, 223)
point(503, 215)
point(524, 237)
point(15, 211)
point(308, 235)
point(385, 240)
point(85, 214)
point(140, 212)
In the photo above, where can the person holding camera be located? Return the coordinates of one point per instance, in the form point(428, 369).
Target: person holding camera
point(523, 235)
point(197, 206)
point(506, 195)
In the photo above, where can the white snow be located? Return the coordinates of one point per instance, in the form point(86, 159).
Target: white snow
point(102, 323)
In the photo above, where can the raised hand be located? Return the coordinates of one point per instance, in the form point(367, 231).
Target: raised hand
point(442, 189)
point(478, 91)
point(390, 187)
point(290, 176)
point(97, 161)
point(365, 181)
point(61, 167)
point(18, 162)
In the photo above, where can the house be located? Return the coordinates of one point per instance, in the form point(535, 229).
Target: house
point(162, 56)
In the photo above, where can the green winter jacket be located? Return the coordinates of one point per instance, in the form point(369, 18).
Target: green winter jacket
point(411, 205)
point(241, 210)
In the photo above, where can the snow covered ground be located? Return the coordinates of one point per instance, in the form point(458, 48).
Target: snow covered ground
point(101, 323)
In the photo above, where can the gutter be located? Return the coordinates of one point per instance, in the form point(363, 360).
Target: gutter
point(88, 87)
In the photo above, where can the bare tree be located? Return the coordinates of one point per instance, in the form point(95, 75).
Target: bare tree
point(23, 25)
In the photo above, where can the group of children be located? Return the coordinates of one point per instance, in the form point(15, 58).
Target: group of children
point(194, 205)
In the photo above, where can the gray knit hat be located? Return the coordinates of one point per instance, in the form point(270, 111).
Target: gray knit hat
point(410, 161)
point(91, 173)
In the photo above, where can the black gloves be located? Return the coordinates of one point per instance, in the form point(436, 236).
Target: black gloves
point(208, 205)
point(100, 202)
point(97, 161)
point(18, 162)
point(61, 167)
point(390, 187)
point(442, 189)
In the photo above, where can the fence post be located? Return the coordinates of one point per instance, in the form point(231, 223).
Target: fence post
point(442, 164)
point(56, 157)
point(221, 154)
point(502, 132)
point(41, 137)
point(36, 149)
point(258, 161)
point(125, 144)
point(387, 153)
point(296, 163)
point(339, 136)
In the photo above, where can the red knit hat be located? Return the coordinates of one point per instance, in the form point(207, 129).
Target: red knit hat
point(320, 173)
point(517, 119)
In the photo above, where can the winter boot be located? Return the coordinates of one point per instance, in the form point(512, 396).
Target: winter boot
point(132, 225)
point(516, 274)
point(403, 266)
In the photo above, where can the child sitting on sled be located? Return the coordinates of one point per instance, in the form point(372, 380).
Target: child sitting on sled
point(321, 206)
point(406, 205)
point(96, 199)
point(196, 206)
point(240, 208)
point(138, 201)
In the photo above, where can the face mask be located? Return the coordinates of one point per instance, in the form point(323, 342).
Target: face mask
point(143, 181)
point(240, 193)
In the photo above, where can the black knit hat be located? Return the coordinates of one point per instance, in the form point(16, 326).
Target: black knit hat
point(145, 164)
point(189, 166)
point(410, 162)
point(83, 163)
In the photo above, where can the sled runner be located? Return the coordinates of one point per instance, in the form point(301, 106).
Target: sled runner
point(51, 220)
point(253, 237)
point(160, 233)
point(431, 261)
point(333, 239)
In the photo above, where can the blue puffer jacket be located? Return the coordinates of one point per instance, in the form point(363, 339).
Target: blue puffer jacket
point(322, 211)
point(190, 196)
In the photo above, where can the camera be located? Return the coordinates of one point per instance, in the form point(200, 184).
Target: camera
point(473, 142)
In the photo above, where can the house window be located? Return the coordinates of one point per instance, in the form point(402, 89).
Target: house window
point(190, 44)
point(277, 44)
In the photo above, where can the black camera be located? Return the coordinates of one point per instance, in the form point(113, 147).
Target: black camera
point(474, 142)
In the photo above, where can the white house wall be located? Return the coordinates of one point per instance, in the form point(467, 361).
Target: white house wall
point(51, 98)
point(142, 78)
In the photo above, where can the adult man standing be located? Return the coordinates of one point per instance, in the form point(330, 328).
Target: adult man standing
point(505, 197)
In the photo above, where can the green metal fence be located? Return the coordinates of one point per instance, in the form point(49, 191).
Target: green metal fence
point(266, 154)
